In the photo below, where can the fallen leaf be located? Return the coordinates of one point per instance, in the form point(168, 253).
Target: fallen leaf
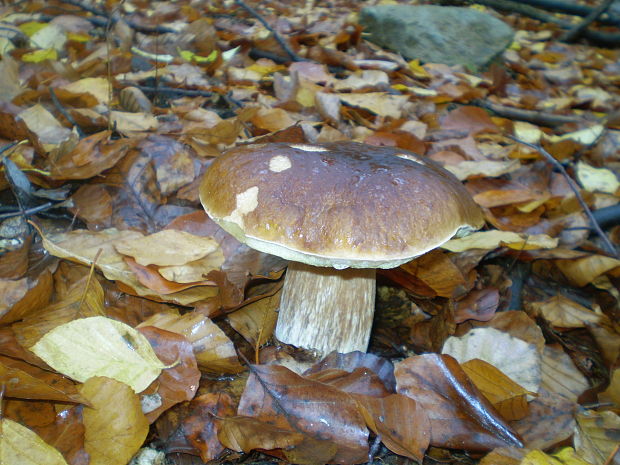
point(274, 391)
point(380, 103)
point(514, 357)
point(115, 425)
point(21, 446)
point(560, 375)
point(459, 414)
point(99, 346)
point(506, 396)
point(166, 248)
point(214, 351)
point(178, 382)
point(494, 239)
point(597, 436)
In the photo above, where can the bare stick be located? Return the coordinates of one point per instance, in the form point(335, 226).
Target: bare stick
point(532, 116)
point(135, 26)
point(570, 8)
point(285, 46)
point(575, 32)
point(610, 39)
point(575, 188)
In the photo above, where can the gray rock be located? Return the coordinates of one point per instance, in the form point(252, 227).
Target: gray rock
point(437, 34)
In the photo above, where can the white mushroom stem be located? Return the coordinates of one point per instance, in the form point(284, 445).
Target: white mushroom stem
point(327, 309)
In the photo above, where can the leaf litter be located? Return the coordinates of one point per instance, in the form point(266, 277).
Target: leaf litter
point(118, 110)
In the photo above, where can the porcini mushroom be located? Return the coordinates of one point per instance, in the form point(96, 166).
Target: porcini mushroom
point(337, 211)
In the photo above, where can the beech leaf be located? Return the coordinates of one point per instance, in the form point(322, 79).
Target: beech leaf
point(21, 446)
point(100, 346)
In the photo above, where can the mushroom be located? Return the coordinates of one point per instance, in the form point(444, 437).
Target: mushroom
point(336, 211)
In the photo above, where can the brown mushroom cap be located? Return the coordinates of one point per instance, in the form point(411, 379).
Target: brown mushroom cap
point(340, 204)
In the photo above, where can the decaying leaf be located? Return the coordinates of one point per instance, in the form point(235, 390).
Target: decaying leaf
point(597, 436)
point(99, 346)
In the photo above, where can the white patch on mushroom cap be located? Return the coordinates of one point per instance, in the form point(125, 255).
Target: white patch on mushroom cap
point(247, 201)
point(413, 158)
point(308, 147)
point(279, 163)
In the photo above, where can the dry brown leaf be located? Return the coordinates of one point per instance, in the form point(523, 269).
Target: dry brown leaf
point(379, 103)
point(24, 381)
point(581, 271)
point(214, 352)
point(256, 321)
point(90, 157)
point(23, 296)
point(115, 425)
point(82, 246)
point(83, 299)
point(563, 312)
point(166, 248)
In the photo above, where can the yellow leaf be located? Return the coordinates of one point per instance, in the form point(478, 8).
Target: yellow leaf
point(493, 239)
point(418, 70)
point(508, 397)
point(78, 37)
point(168, 247)
point(40, 55)
point(115, 426)
point(581, 271)
point(32, 27)
point(99, 346)
point(21, 446)
point(597, 179)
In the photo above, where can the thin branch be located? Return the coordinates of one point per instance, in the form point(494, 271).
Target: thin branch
point(574, 33)
point(64, 113)
point(532, 116)
point(575, 188)
point(172, 90)
point(132, 24)
point(285, 46)
point(571, 8)
point(609, 39)
point(29, 211)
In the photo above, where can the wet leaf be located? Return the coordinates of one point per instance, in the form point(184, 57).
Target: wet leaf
point(459, 414)
point(274, 392)
point(179, 381)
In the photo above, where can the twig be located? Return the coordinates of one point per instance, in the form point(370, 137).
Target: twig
point(172, 90)
point(289, 51)
point(135, 26)
point(535, 117)
point(64, 113)
point(570, 8)
point(608, 216)
point(575, 32)
point(29, 211)
point(575, 188)
point(609, 39)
